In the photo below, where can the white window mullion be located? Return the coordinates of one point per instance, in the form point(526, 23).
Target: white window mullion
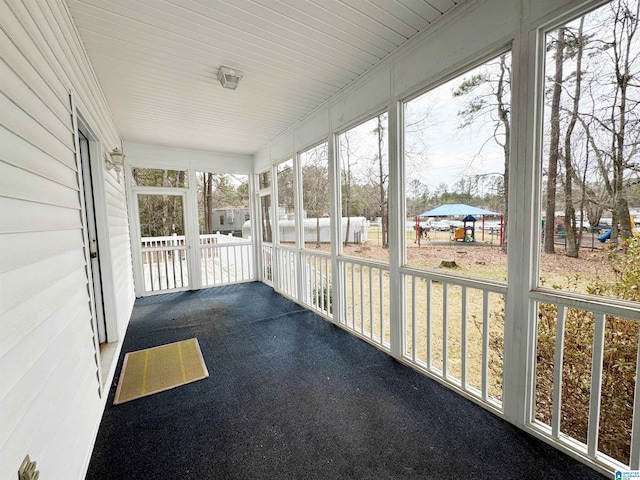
point(193, 232)
point(397, 300)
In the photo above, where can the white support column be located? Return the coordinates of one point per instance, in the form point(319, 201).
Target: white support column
point(193, 232)
point(255, 207)
point(522, 257)
point(335, 211)
point(275, 230)
point(299, 220)
point(396, 227)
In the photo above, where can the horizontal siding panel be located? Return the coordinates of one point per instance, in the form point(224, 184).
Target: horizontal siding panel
point(119, 237)
point(20, 216)
point(74, 430)
point(21, 249)
point(24, 355)
point(114, 199)
point(117, 219)
point(49, 402)
point(58, 121)
point(122, 272)
point(57, 102)
point(55, 27)
point(39, 31)
point(19, 184)
point(118, 216)
point(113, 186)
point(126, 293)
point(25, 126)
point(30, 50)
point(52, 383)
point(24, 318)
point(19, 152)
point(22, 284)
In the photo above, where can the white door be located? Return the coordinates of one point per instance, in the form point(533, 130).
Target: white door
point(164, 251)
point(92, 235)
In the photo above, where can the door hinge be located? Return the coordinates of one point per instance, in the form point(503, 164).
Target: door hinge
point(28, 470)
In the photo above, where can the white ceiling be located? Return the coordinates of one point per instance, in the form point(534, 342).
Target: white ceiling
point(157, 61)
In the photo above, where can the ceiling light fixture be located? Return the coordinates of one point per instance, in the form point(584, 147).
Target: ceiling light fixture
point(229, 78)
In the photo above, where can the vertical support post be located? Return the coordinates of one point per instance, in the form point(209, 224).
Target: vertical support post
point(524, 196)
point(192, 227)
point(396, 226)
point(335, 212)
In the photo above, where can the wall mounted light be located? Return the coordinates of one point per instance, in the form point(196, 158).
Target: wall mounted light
point(229, 78)
point(115, 160)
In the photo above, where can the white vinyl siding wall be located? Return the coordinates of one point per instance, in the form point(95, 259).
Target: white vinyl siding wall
point(50, 405)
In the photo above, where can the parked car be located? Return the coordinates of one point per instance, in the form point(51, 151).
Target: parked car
point(440, 225)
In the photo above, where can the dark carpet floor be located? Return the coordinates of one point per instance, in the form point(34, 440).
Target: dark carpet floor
point(291, 396)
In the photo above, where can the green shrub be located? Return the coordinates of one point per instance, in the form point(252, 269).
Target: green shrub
point(320, 292)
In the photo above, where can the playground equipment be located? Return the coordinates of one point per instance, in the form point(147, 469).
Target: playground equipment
point(458, 235)
point(605, 236)
point(634, 230)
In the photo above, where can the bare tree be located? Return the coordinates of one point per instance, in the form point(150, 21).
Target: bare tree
point(315, 184)
point(611, 120)
point(383, 177)
point(347, 179)
point(489, 95)
point(569, 210)
point(625, 27)
point(554, 145)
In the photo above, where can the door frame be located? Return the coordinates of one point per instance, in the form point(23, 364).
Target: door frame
point(136, 236)
point(102, 232)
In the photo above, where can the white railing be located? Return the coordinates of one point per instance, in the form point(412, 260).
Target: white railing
point(267, 264)
point(286, 260)
point(580, 378)
point(164, 267)
point(365, 299)
point(162, 242)
point(454, 330)
point(225, 260)
point(318, 291)
point(209, 238)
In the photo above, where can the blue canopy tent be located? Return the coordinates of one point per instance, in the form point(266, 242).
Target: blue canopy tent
point(457, 209)
point(460, 209)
